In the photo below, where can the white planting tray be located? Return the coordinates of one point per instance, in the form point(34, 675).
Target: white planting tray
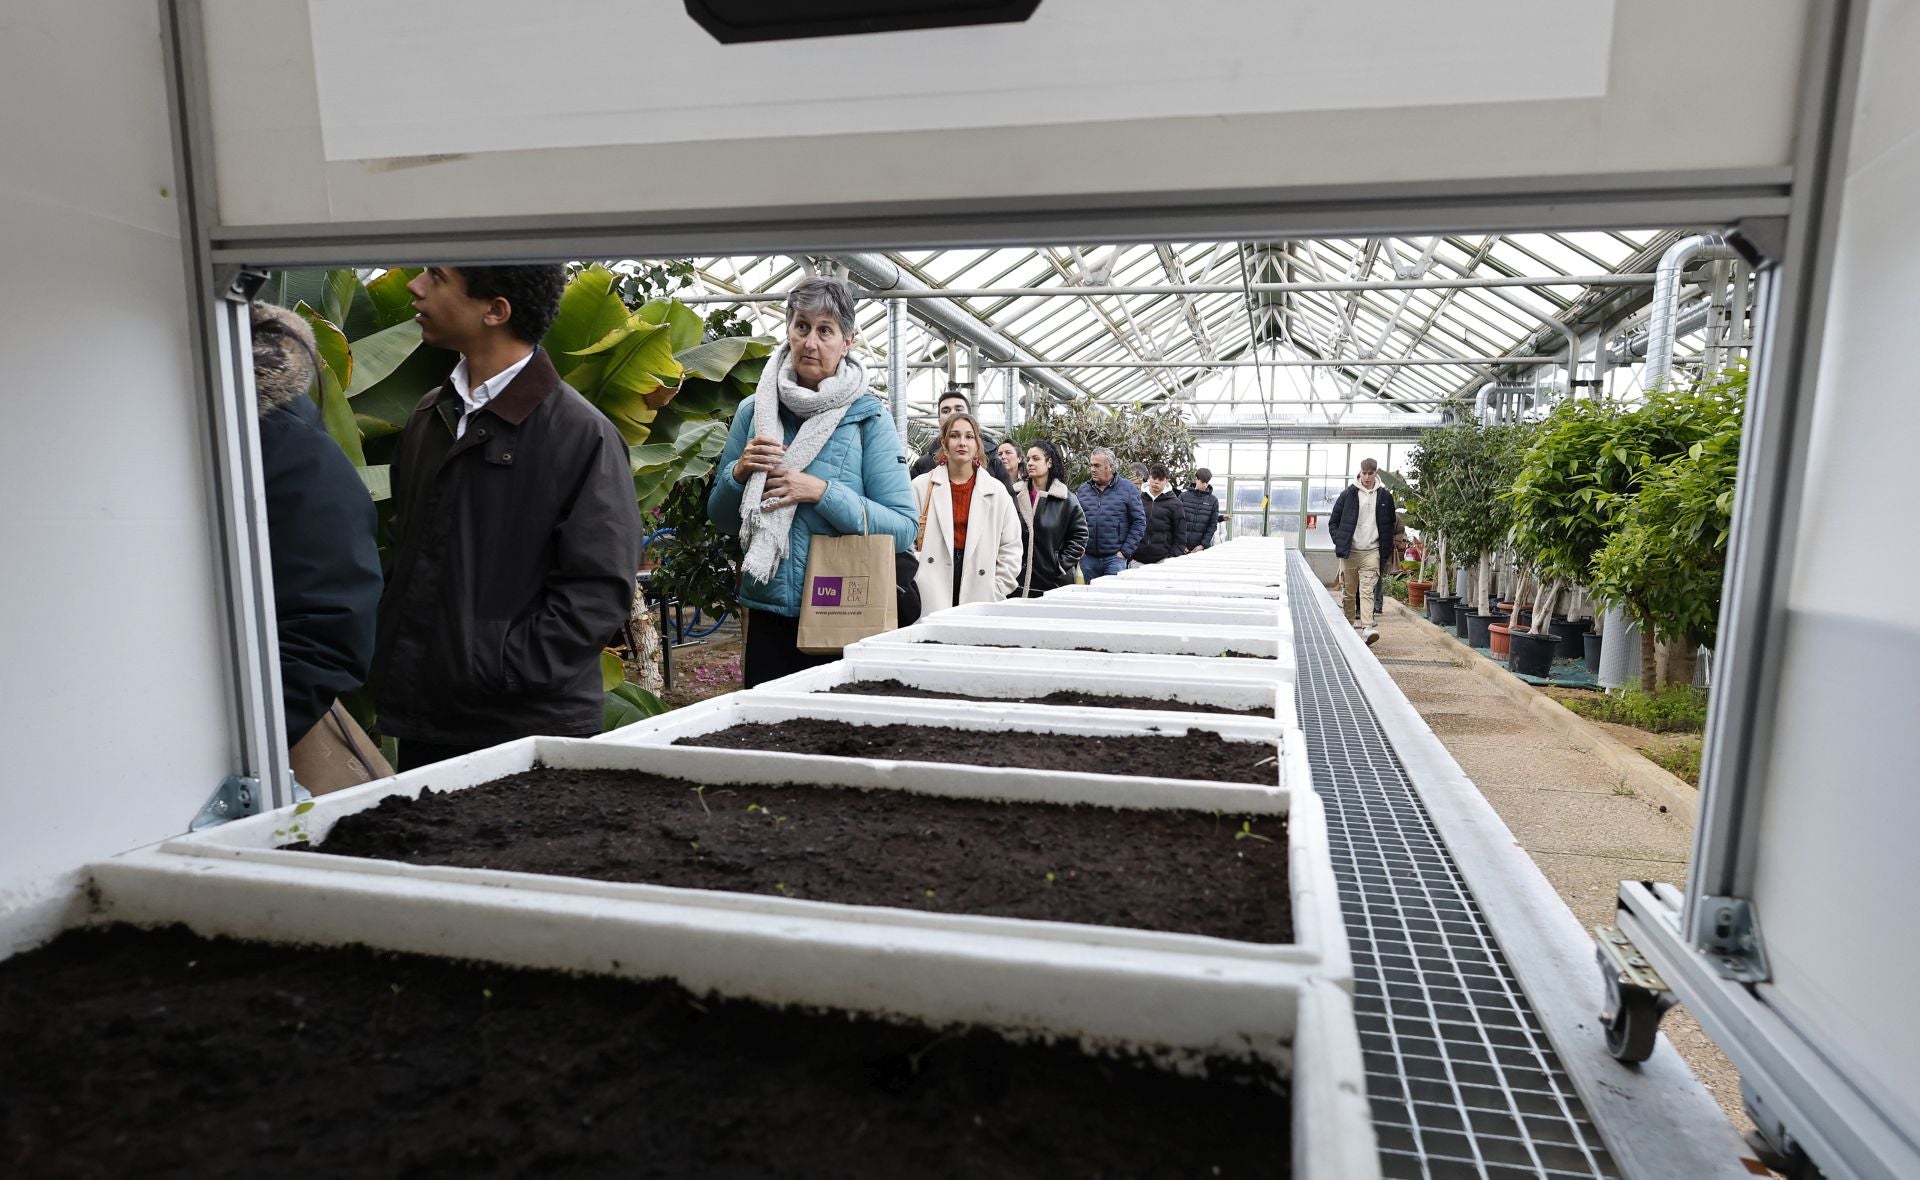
point(1168, 597)
point(1181, 639)
point(1222, 588)
point(1127, 999)
point(1128, 667)
point(1011, 680)
point(1168, 575)
point(1319, 947)
point(1255, 616)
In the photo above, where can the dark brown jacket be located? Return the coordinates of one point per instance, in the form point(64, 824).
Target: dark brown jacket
point(513, 562)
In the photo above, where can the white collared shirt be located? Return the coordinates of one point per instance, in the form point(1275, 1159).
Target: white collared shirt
point(492, 387)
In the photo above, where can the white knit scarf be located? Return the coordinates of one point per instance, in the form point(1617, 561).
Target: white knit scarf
point(763, 532)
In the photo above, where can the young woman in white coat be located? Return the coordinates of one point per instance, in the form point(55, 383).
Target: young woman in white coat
point(969, 540)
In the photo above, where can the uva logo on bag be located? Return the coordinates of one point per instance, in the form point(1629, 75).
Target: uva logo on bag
point(839, 591)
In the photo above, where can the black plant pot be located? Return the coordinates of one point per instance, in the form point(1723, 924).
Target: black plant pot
point(1462, 615)
point(1532, 655)
point(1440, 609)
point(1569, 632)
point(1591, 643)
point(1477, 625)
point(1526, 616)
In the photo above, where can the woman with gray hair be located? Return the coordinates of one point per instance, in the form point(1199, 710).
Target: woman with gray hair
point(811, 453)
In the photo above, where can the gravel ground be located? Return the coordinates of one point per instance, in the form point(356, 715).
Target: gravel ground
point(1585, 829)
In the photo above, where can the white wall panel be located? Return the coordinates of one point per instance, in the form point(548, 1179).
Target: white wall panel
point(273, 170)
point(1841, 796)
point(112, 684)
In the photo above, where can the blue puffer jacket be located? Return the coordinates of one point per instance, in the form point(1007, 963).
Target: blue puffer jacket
point(863, 461)
point(1116, 519)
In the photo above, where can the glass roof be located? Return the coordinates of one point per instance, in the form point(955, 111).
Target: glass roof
point(1233, 349)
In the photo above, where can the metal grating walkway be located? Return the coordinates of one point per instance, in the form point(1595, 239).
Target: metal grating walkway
point(1463, 1080)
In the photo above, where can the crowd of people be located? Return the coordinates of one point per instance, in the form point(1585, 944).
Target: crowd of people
point(515, 536)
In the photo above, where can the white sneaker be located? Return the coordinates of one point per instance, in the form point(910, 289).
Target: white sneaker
point(1372, 636)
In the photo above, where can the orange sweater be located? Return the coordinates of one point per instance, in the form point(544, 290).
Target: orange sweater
point(962, 504)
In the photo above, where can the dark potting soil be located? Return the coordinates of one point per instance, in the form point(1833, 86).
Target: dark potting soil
point(1195, 754)
point(893, 688)
point(1186, 871)
point(161, 1054)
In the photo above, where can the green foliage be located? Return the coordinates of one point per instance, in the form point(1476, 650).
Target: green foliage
point(1141, 432)
point(1668, 558)
point(1672, 708)
point(1681, 759)
point(1463, 471)
point(627, 703)
point(1395, 586)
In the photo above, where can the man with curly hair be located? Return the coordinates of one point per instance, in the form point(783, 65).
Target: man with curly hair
point(516, 537)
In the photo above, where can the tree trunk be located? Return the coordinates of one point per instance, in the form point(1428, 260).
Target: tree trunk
point(1519, 597)
point(1649, 654)
point(1543, 608)
point(1483, 580)
point(643, 635)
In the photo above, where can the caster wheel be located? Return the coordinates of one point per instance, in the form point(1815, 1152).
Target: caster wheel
point(1632, 1020)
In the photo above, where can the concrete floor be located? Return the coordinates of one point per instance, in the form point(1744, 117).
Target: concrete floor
point(1574, 815)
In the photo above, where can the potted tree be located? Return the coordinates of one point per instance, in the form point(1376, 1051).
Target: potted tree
point(1666, 561)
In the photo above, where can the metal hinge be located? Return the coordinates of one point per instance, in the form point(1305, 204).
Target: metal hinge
point(236, 798)
point(1730, 939)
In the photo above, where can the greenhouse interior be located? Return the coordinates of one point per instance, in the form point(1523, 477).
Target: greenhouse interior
point(959, 589)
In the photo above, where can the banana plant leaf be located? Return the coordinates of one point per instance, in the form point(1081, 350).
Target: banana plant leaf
point(336, 300)
point(290, 288)
point(613, 673)
point(630, 703)
point(658, 467)
point(379, 481)
point(376, 357)
point(385, 407)
point(715, 359)
point(336, 355)
point(685, 322)
point(638, 361)
point(589, 312)
point(337, 415)
point(392, 302)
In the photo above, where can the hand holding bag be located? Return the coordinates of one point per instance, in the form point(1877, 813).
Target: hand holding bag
point(850, 590)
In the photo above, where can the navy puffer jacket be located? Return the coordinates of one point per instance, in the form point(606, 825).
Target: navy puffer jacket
point(1116, 520)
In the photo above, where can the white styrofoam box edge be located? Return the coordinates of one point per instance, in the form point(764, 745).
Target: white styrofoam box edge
point(1319, 935)
point(1333, 1136)
point(998, 679)
point(1187, 639)
point(1213, 612)
point(1221, 588)
point(1124, 664)
point(1304, 1025)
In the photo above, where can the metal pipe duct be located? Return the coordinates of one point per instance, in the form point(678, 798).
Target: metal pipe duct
point(1480, 407)
point(897, 364)
point(880, 275)
point(1666, 296)
point(1634, 347)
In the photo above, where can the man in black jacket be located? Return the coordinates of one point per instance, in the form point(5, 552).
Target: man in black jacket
point(1361, 527)
point(1165, 519)
point(1202, 511)
point(516, 535)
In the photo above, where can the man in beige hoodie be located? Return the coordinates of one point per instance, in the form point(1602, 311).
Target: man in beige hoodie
point(1361, 527)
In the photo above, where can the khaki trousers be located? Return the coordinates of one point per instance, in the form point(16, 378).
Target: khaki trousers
point(1360, 573)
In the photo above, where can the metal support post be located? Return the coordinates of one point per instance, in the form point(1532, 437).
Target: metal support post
point(222, 348)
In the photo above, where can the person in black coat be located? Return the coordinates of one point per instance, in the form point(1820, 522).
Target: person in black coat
point(1057, 529)
point(516, 538)
point(1202, 511)
point(320, 529)
point(1166, 521)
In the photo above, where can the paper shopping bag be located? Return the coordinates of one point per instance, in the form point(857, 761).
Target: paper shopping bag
point(849, 593)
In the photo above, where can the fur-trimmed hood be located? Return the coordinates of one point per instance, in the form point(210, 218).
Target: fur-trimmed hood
point(283, 356)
